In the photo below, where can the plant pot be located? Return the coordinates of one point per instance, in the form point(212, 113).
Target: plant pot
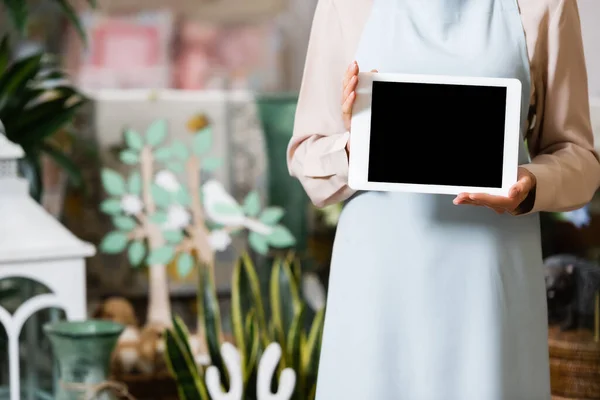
point(83, 350)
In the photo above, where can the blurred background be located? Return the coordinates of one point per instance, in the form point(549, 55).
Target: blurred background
point(151, 135)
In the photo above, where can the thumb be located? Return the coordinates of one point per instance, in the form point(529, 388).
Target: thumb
point(521, 188)
point(374, 70)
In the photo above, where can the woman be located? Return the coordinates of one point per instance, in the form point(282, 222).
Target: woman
point(434, 298)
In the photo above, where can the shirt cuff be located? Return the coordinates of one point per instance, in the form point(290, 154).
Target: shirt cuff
point(332, 161)
point(544, 193)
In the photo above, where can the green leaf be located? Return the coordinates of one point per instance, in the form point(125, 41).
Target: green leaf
point(185, 264)
point(281, 237)
point(114, 242)
point(161, 255)
point(17, 76)
point(156, 133)
point(134, 183)
point(161, 197)
point(183, 197)
point(159, 217)
point(173, 237)
point(252, 204)
point(202, 141)
point(56, 116)
point(285, 299)
point(72, 16)
point(175, 167)
point(227, 209)
point(245, 292)
point(162, 154)
point(210, 164)
point(134, 140)
point(211, 315)
point(258, 243)
point(252, 351)
point(111, 207)
point(18, 12)
point(180, 151)
point(136, 252)
point(271, 215)
point(61, 159)
point(180, 363)
point(124, 223)
point(113, 182)
point(293, 352)
point(312, 349)
point(129, 157)
point(5, 53)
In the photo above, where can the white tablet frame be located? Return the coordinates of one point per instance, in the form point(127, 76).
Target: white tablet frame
point(361, 133)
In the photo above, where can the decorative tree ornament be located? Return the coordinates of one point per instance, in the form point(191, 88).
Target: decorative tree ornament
point(159, 219)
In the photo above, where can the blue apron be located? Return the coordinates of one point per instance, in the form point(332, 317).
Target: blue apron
point(428, 300)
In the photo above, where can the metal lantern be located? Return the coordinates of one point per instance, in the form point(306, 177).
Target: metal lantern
point(35, 246)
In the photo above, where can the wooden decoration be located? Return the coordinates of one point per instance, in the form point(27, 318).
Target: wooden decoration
point(158, 219)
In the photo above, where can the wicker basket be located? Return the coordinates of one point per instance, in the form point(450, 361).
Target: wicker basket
point(574, 365)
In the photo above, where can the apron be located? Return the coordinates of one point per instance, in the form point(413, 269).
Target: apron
point(428, 300)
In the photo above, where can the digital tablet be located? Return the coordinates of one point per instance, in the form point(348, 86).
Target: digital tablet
point(435, 134)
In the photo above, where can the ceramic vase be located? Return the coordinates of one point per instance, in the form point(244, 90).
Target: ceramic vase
point(83, 351)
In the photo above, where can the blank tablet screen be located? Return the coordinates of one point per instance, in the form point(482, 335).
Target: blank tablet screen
point(437, 134)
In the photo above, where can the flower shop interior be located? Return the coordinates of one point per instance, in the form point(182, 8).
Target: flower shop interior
point(153, 245)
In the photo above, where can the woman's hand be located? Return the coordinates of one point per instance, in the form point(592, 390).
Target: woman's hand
point(349, 95)
point(518, 192)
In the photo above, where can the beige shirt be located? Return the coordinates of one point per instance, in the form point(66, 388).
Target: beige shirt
point(561, 144)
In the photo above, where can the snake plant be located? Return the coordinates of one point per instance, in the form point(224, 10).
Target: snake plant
point(254, 333)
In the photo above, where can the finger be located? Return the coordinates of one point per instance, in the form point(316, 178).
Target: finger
point(350, 87)
point(350, 72)
point(347, 106)
point(506, 203)
point(520, 189)
point(465, 200)
point(374, 70)
point(462, 198)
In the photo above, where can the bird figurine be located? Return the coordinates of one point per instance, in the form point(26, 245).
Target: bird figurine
point(222, 208)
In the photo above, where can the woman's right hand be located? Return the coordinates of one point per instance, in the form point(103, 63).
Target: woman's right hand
point(349, 95)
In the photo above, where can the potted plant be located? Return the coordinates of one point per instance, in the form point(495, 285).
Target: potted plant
point(280, 345)
point(36, 99)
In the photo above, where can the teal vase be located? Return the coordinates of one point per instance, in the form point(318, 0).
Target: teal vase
point(277, 113)
point(83, 350)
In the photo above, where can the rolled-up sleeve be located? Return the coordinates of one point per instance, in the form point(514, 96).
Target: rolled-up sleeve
point(316, 154)
point(564, 162)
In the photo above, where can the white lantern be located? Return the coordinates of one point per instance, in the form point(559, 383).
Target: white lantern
point(35, 246)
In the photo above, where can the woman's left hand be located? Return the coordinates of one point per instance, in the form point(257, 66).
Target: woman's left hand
point(518, 192)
